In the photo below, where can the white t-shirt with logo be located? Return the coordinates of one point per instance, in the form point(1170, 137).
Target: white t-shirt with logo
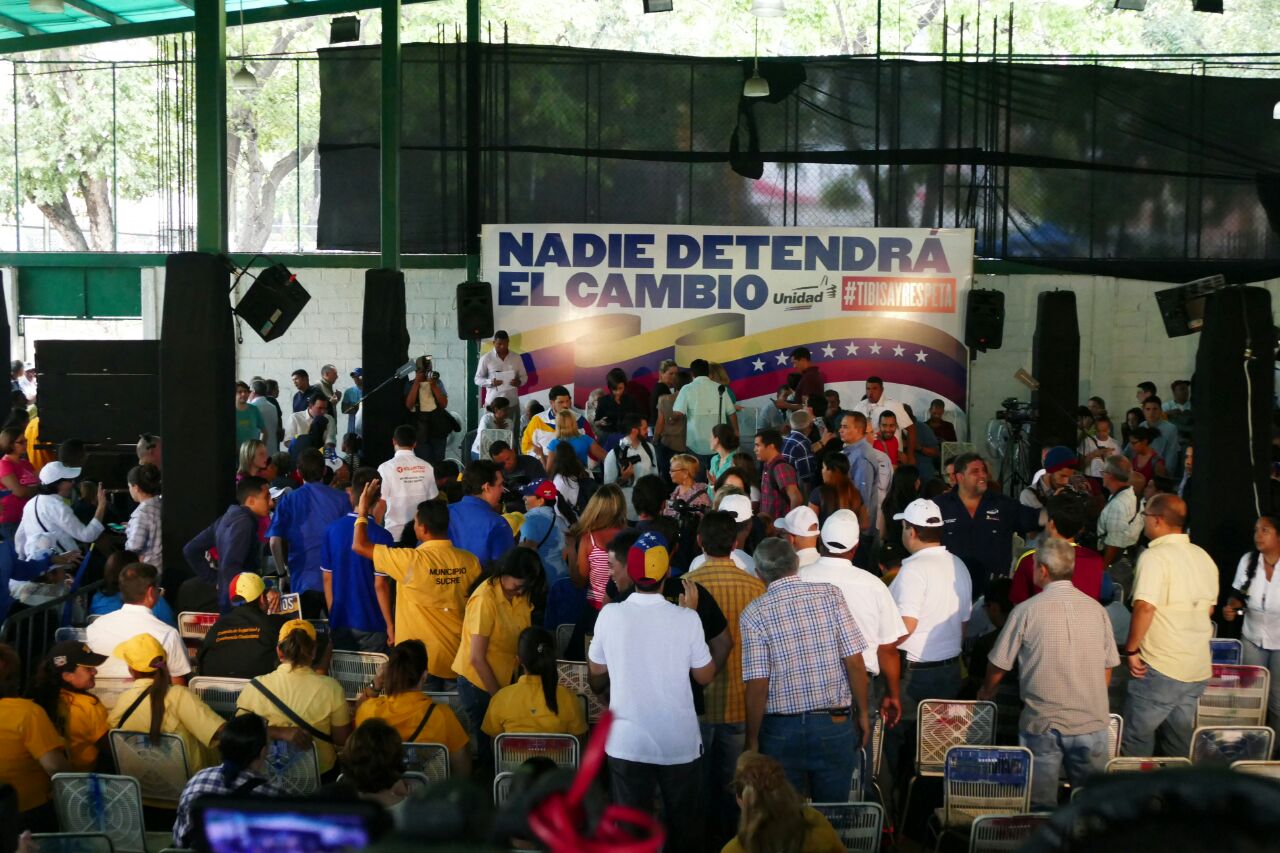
point(407, 481)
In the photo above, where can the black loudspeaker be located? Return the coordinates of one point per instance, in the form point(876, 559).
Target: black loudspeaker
point(984, 320)
point(197, 410)
point(1269, 197)
point(274, 301)
point(475, 310)
point(101, 392)
point(1230, 480)
point(1055, 363)
point(384, 341)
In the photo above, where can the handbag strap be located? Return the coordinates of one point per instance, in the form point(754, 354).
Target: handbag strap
point(290, 713)
point(136, 702)
point(422, 724)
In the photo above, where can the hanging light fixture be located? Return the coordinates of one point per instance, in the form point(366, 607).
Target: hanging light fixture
point(768, 8)
point(47, 7)
point(756, 86)
point(243, 80)
point(1275, 111)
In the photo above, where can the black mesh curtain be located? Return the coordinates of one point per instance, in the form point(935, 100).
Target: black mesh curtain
point(1068, 163)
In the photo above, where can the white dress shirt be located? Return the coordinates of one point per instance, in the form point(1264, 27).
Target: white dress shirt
point(869, 601)
point(299, 423)
point(490, 365)
point(107, 632)
point(49, 526)
point(933, 587)
point(407, 481)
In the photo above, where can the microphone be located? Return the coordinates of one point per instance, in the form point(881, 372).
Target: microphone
point(405, 369)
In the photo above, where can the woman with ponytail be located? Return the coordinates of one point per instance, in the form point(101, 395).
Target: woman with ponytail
point(774, 819)
point(244, 747)
point(396, 697)
point(537, 702)
point(155, 706)
point(1255, 593)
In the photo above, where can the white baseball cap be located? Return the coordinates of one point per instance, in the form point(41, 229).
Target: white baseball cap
point(840, 531)
point(801, 521)
point(739, 505)
point(54, 471)
point(921, 513)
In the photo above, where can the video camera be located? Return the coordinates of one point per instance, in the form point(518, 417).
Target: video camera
point(1016, 412)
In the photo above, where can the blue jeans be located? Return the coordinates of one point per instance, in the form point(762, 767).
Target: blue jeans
point(1082, 755)
point(722, 743)
point(816, 751)
point(475, 701)
point(1270, 658)
point(1158, 705)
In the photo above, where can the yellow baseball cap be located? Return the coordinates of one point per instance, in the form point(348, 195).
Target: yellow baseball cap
point(296, 625)
point(247, 586)
point(140, 652)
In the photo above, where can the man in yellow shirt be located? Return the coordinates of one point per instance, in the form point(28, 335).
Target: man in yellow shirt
point(1175, 588)
point(432, 579)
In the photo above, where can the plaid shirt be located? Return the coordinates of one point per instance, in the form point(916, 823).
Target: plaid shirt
point(733, 589)
point(797, 635)
point(777, 476)
point(798, 451)
point(142, 534)
point(209, 782)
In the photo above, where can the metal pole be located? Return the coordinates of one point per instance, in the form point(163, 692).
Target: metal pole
point(115, 177)
point(297, 150)
point(473, 186)
point(389, 144)
point(17, 170)
point(211, 127)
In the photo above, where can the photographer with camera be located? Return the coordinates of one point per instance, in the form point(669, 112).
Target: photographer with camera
point(1059, 470)
point(631, 458)
point(429, 402)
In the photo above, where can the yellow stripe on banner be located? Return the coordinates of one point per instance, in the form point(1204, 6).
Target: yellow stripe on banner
point(607, 326)
point(605, 351)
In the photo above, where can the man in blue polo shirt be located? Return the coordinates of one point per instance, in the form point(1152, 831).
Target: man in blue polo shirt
point(978, 525)
point(474, 522)
point(300, 520)
point(358, 598)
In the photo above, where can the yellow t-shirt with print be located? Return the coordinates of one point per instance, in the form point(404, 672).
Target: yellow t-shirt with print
point(431, 596)
point(317, 699)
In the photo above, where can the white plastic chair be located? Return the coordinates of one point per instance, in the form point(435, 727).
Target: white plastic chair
point(1132, 764)
point(100, 803)
point(1001, 833)
point(194, 625)
point(1235, 696)
point(295, 773)
point(510, 750)
point(1226, 651)
point(984, 780)
point(1270, 769)
point(429, 759)
point(489, 436)
point(943, 724)
point(451, 700)
point(1223, 745)
point(573, 675)
point(220, 694)
point(159, 765)
point(62, 635)
point(859, 825)
point(1115, 735)
point(563, 634)
point(355, 670)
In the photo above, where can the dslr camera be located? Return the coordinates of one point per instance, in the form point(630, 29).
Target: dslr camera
point(425, 367)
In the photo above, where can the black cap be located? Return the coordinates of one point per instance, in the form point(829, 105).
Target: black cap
point(69, 654)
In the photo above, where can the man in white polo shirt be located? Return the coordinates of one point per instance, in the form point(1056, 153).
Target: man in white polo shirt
point(873, 608)
point(407, 480)
point(139, 592)
point(800, 526)
point(934, 594)
point(643, 652)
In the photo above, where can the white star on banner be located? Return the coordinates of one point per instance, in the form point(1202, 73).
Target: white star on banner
point(898, 351)
point(829, 351)
point(781, 357)
point(922, 355)
point(850, 349)
point(758, 364)
point(875, 348)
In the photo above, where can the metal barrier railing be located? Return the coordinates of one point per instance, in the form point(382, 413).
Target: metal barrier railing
point(30, 630)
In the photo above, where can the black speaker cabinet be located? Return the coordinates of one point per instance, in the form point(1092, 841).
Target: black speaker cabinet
point(274, 301)
point(984, 320)
point(475, 310)
point(1055, 360)
point(101, 392)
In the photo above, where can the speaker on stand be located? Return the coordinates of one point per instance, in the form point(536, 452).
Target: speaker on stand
point(1055, 360)
point(384, 342)
point(984, 320)
point(475, 310)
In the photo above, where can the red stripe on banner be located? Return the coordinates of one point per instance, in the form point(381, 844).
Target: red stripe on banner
point(548, 366)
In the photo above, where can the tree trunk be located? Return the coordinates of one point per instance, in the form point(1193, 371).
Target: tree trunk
point(97, 201)
point(58, 214)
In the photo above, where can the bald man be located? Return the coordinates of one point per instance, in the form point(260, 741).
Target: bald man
point(1174, 591)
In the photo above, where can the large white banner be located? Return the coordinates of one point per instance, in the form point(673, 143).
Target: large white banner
point(578, 300)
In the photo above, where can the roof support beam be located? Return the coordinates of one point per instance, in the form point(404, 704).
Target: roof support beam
point(18, 27)
point(98, 12)
point(211, 128)
point(389, 140)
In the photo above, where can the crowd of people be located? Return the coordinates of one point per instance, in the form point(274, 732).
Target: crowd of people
point(746, 615)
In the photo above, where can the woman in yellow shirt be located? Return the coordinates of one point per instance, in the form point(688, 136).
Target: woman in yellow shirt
point(156, 706)
point(61, 686)
point(318, 700)
point(774, 819)
point(537, 702)
point(396, 696)
point(498, 609)
point(30, 749)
